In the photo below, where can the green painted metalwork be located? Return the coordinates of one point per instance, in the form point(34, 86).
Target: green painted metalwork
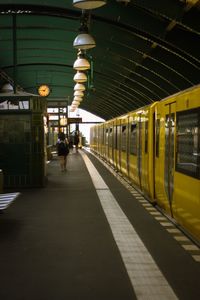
point(146, 50)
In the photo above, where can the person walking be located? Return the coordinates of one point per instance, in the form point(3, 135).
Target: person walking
point(76, 141)
point(63, 151)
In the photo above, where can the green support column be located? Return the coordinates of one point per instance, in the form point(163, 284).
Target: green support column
point(14, 18)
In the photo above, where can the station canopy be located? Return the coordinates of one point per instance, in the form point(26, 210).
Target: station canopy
point(145, 50)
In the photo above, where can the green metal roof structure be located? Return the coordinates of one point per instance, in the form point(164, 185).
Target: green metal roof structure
point(145, 50)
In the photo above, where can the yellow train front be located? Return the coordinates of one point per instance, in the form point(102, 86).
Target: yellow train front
point(157, 148)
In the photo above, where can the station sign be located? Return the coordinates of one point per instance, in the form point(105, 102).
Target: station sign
point(74, 120)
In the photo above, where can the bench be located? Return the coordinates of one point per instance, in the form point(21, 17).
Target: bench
point(7, 199)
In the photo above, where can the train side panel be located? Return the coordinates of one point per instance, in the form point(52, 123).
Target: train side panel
point(110, 142)
point(158, 148)
point(141, 149)
point(177, 175)
point(133, 149)
point(187, 163)
point(123, 143)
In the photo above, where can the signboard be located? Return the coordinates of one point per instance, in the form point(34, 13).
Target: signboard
point(74, 120)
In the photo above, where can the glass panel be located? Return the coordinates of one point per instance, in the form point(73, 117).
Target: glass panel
point(169, 155)
point(146, 137)
point(123, 138)
point(133, 139)
point(188, 132)
point(115, 137)
point(106, 136)
point(157, 136)
point(110, 137)
point(118, 137)
point(14, 105)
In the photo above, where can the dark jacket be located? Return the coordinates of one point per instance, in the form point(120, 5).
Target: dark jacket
point(62, 148)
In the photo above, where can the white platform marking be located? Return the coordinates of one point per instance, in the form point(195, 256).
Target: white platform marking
point(146, 278)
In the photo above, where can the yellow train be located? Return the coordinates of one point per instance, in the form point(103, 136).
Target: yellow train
point(158, 148)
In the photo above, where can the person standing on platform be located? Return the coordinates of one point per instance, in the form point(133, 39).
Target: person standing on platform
point(63, 151)
point(76, 141)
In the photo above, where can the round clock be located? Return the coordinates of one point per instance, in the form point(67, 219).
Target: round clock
point(44, 90)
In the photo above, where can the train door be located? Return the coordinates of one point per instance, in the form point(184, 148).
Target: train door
point(103, 140)
point(139, 150)
point(164, 159)
point(169, 152)
point(128, 148)
point(110, 143)
point(115, 145)
point(124, 131)
point(118, 145)
point(133, 145)
point(106, 140)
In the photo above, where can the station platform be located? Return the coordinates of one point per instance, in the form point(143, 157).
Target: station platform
point(90, 235)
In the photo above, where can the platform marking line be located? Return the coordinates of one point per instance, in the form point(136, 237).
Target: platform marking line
point(147, 280)
point(171, 229)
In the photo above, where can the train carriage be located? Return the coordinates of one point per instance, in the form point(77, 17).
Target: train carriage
point(158, 148)
point(177, 186)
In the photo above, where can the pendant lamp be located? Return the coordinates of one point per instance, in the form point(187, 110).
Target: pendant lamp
point(76, 98)
point(81, 64)
point(88, 4)
point(79, 87)
point(76, 102)
point(78, 93)
point(84, 41)
point(80, 77)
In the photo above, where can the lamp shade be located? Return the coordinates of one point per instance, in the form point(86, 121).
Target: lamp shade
point(75, 102)
point(81, 64)
point(76, 98)
point(80, 77)
point(88, 4)
point(78, 93)
point(79, 87)
point(84, 41)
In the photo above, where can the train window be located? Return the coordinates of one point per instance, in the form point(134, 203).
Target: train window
point(115, 137)
point(102, 135)
point(110, 137)
point(118, 137)
point(123, 138)
point(146, 137)
point(157, 136)
point(188, 143)
point(106, 137)
point(133, 139)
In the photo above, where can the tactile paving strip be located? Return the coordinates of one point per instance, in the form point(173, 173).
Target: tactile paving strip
point(177, 234)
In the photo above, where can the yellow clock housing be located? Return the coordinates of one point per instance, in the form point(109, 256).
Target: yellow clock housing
point(44, 90)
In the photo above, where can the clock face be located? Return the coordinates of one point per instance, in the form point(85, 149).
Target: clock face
point(44, 90)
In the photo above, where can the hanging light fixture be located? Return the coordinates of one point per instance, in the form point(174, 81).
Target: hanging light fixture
point(78, 93)
point(81, 64)
point(84, 41)
point(80, 77)
point(76, 98)
point(88, 4)
point(75, 102)
point(79, 87)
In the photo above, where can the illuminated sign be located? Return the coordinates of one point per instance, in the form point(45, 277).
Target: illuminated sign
point(74, 120)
